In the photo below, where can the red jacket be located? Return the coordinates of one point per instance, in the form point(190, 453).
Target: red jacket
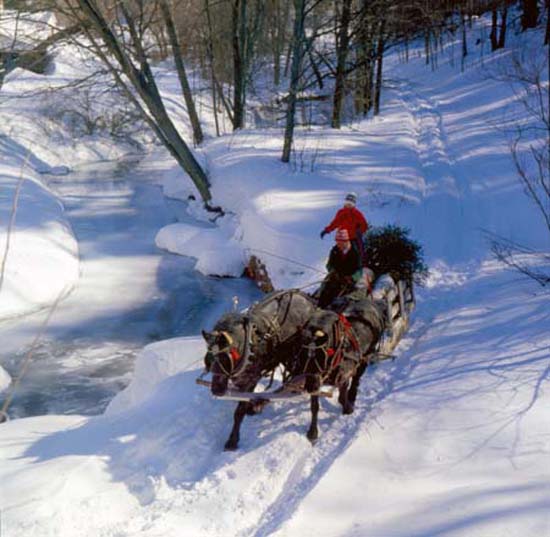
point(349, 218)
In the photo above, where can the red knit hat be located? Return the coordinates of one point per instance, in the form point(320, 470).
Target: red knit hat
point(342, 235)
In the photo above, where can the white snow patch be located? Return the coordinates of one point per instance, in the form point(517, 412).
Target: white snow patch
point(216, 253)
point(155, 363)
point(5, 379)
point(41, 253)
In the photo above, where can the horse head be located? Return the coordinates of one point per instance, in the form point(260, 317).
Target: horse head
point(317, 352)
point(229, 354)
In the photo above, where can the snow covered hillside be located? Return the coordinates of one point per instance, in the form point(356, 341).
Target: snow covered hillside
point(42, 262)
point(449, 439)
point(42, 254)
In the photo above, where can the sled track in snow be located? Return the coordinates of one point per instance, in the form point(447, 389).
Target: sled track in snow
point(432, 146)
point(377, 384)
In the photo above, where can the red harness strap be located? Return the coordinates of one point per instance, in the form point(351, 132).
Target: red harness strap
point(337, 354)
point(348, 330)
point(235, 355)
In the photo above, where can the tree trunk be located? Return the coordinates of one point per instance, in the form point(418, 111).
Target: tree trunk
point(530, 14)
point(427, 45)
point(238, 19)
point(280, 35)
point(379, 66)
point(494, 26)
point(547, 36)
point(464, 43)
point(503, 26)
point(297, 56)
point(210, 57)
point(342, 55)
point(144, 84)
point(369, 87)
point(276, 33)
point(368, 53)
point(315, 69)
point(182, 75)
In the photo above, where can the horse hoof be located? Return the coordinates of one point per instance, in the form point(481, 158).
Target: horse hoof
point(348, 410)
point(312, 437)
point(230, 446)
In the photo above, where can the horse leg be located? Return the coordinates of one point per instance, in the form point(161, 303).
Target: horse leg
point(313, 432)
point(343, 397)
point(352, 394)
point(240, 412)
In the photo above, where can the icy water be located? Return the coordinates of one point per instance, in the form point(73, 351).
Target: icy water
point(129, 294)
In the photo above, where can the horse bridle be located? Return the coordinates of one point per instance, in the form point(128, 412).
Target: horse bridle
point(334, 355)
point(237, 360)
point(252, 343)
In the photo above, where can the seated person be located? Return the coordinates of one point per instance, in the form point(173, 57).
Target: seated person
point(345, 270)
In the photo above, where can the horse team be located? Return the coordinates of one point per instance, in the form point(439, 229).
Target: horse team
point(314, 346)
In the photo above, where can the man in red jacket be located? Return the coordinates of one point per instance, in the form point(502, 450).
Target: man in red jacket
point(351, 219)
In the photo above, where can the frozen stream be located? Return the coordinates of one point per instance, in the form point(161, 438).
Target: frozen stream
point(129, 294)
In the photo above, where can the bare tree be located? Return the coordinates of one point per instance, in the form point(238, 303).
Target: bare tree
point(182, 74)
point(530, 150)
point(380, 49)
point(298, 47)
point(246, 24)
point(342, 49)
point(498, 33)
point(530, 14)
point(126, 58)
point(547, 34)
point(278, 14)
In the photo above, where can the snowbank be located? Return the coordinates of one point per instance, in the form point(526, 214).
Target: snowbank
point(42, 136)
point(42, 253)
point(216, 252)
point(154, 364)
point(5, 379)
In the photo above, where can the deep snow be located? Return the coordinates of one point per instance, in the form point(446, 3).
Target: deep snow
point(451, 438)
point(42, 260)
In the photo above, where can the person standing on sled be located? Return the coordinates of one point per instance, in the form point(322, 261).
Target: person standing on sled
point(344, 270)
point(350, 218)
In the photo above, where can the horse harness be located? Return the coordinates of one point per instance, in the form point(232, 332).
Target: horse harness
point(342, 333)
point(270, 330)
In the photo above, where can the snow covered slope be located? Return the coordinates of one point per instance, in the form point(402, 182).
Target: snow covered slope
point(449, 439)
point(41, 136)
point(41, 252)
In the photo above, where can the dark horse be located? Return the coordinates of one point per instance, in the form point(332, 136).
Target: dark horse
point(244, 347)
point(335, 351)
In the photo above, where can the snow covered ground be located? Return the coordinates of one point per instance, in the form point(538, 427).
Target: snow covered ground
point(5, 379)
point(42, 254)
point(449, 439)
point(42, 262)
